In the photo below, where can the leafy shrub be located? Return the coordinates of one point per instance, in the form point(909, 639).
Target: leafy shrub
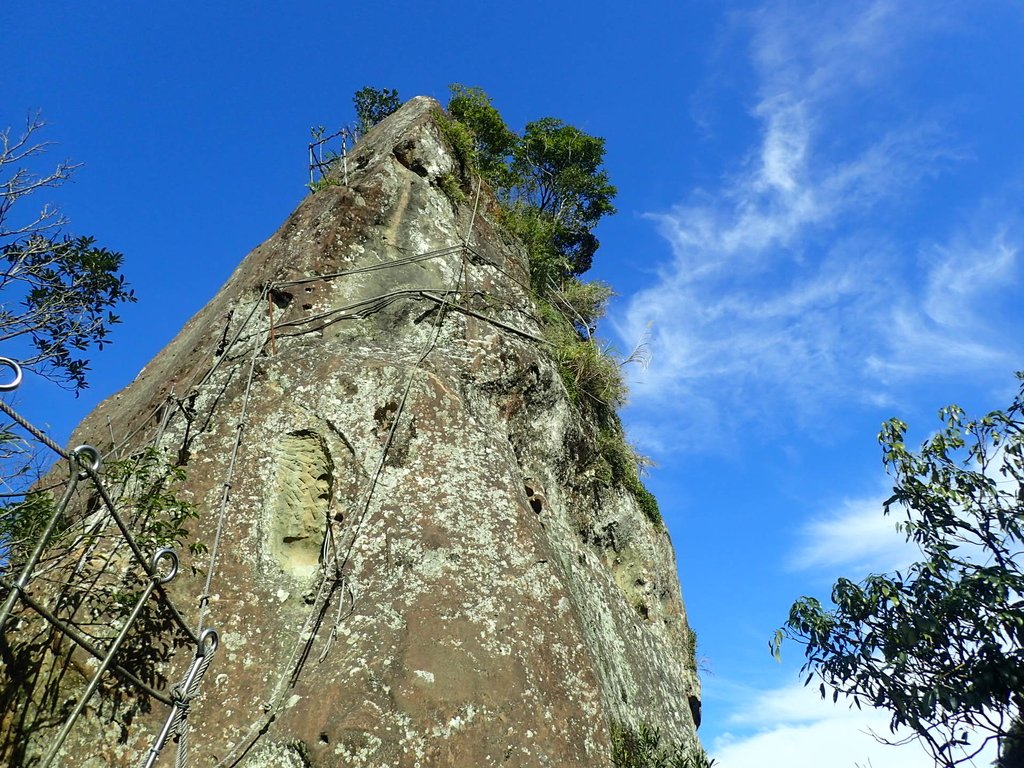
point(642, 747)
point(146, 485)
point(460, 138)
point(322, 183)
point(691, 647)
point(547, 266)
point(449, 184)
point(583, 303)
point(21, 524)
point(554, 191)
point(551, 179)
point(939, 644)
point(623, 467)
point(494, 142)
point(591, 373)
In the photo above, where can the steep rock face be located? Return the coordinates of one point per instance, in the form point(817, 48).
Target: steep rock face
point(416, 563)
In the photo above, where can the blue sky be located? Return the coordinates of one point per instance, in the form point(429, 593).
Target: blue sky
point(819, 227)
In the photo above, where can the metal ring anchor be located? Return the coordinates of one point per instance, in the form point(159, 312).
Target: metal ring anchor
point(87, 457)
point(161, 554)
point(209, 640)
point(12, 385)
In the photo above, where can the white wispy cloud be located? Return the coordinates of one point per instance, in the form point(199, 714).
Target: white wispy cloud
point(831, 741)
point(855, 537)
point(964, 271)
point(780, 283)
point(792, 727)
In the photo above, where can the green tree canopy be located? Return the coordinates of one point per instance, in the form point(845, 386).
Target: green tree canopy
point(68, 290)
point(57, 292)
point(941, 646)
point(373, 105)
point(495, 141)
point(560, 174)
point(551, 179)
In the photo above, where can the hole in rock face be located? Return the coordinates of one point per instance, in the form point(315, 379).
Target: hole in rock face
point(384, 415)
point(324, 738)
point(534, 494)
point(694, 703)
point(223, 343)
point(281, 299)
point(408, 155)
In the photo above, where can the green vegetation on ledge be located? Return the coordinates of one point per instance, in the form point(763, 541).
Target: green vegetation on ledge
point(643, 747)
point(553, 192)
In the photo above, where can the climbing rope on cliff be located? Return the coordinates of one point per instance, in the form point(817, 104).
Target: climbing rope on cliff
point(446, 298)
point(431, 344)
point(424, 256)
point(116, 446)
point(204, 598)
point(177, 719)
point(85, 464)
point(176, 723)
point(310, 627)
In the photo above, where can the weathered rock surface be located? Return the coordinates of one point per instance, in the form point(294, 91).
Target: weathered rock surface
point(417, 564)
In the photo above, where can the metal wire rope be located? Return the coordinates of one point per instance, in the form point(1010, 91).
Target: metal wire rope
point(139, 556)
point(198, 668)
point(368, 306)
point(156, 579)
point(273, 703)
point(86, 462)
point(81, 640)
point(37, 434)
point(424, 256)
point(184, 692)
point(204, 598)
point(115, 447)
point(271, 706)
point(181, 728)
point(485, 318)
point(233, 341)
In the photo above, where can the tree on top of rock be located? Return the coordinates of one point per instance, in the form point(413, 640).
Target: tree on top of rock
point(551, 179)
point(373, 105)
